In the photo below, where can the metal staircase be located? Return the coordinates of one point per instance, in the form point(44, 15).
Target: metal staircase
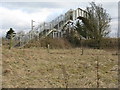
point(53, 28)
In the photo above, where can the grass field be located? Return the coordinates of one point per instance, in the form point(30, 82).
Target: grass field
point(36, 68)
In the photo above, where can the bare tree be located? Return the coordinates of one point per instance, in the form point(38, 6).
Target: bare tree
point(99, 22)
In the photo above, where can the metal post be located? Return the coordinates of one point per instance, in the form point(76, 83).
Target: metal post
point(32, 27)
point(81, 13)
point(32, 24)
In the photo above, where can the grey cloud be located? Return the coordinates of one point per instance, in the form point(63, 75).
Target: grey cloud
point(36, 6)
point(31, 7)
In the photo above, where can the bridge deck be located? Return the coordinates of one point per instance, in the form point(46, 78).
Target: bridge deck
point(57, 24)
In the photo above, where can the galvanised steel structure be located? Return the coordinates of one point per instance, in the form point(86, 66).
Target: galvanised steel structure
point(53, 28)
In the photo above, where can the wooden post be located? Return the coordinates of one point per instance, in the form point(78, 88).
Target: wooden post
point(81, 47)
point(20, 40)
point(48, 47)
point(11, 37)
point(97, 67)
point(65, 76)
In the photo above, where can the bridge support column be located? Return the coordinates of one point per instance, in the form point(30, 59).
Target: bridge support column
point(53, 34)
point(58, 34)
point(61, 34)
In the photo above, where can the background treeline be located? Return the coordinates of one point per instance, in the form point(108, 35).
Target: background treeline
point(106, 43)
point(62, 43)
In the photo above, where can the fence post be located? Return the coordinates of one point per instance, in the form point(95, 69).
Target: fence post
point(11, 41)
point(81, 47)
point(97, 67)
point(65, 76)
point(48, 47)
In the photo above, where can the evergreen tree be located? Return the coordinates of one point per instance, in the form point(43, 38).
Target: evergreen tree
point(10, 34)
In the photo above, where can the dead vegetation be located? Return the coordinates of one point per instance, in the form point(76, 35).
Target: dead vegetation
point(56, 43)
point(36, 68)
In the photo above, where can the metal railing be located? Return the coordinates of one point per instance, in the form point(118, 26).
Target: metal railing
point(55, 25)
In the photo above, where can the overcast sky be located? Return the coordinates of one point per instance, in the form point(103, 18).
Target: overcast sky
point(18, 15)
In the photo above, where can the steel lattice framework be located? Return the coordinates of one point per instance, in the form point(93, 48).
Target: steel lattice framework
point(53, 28)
